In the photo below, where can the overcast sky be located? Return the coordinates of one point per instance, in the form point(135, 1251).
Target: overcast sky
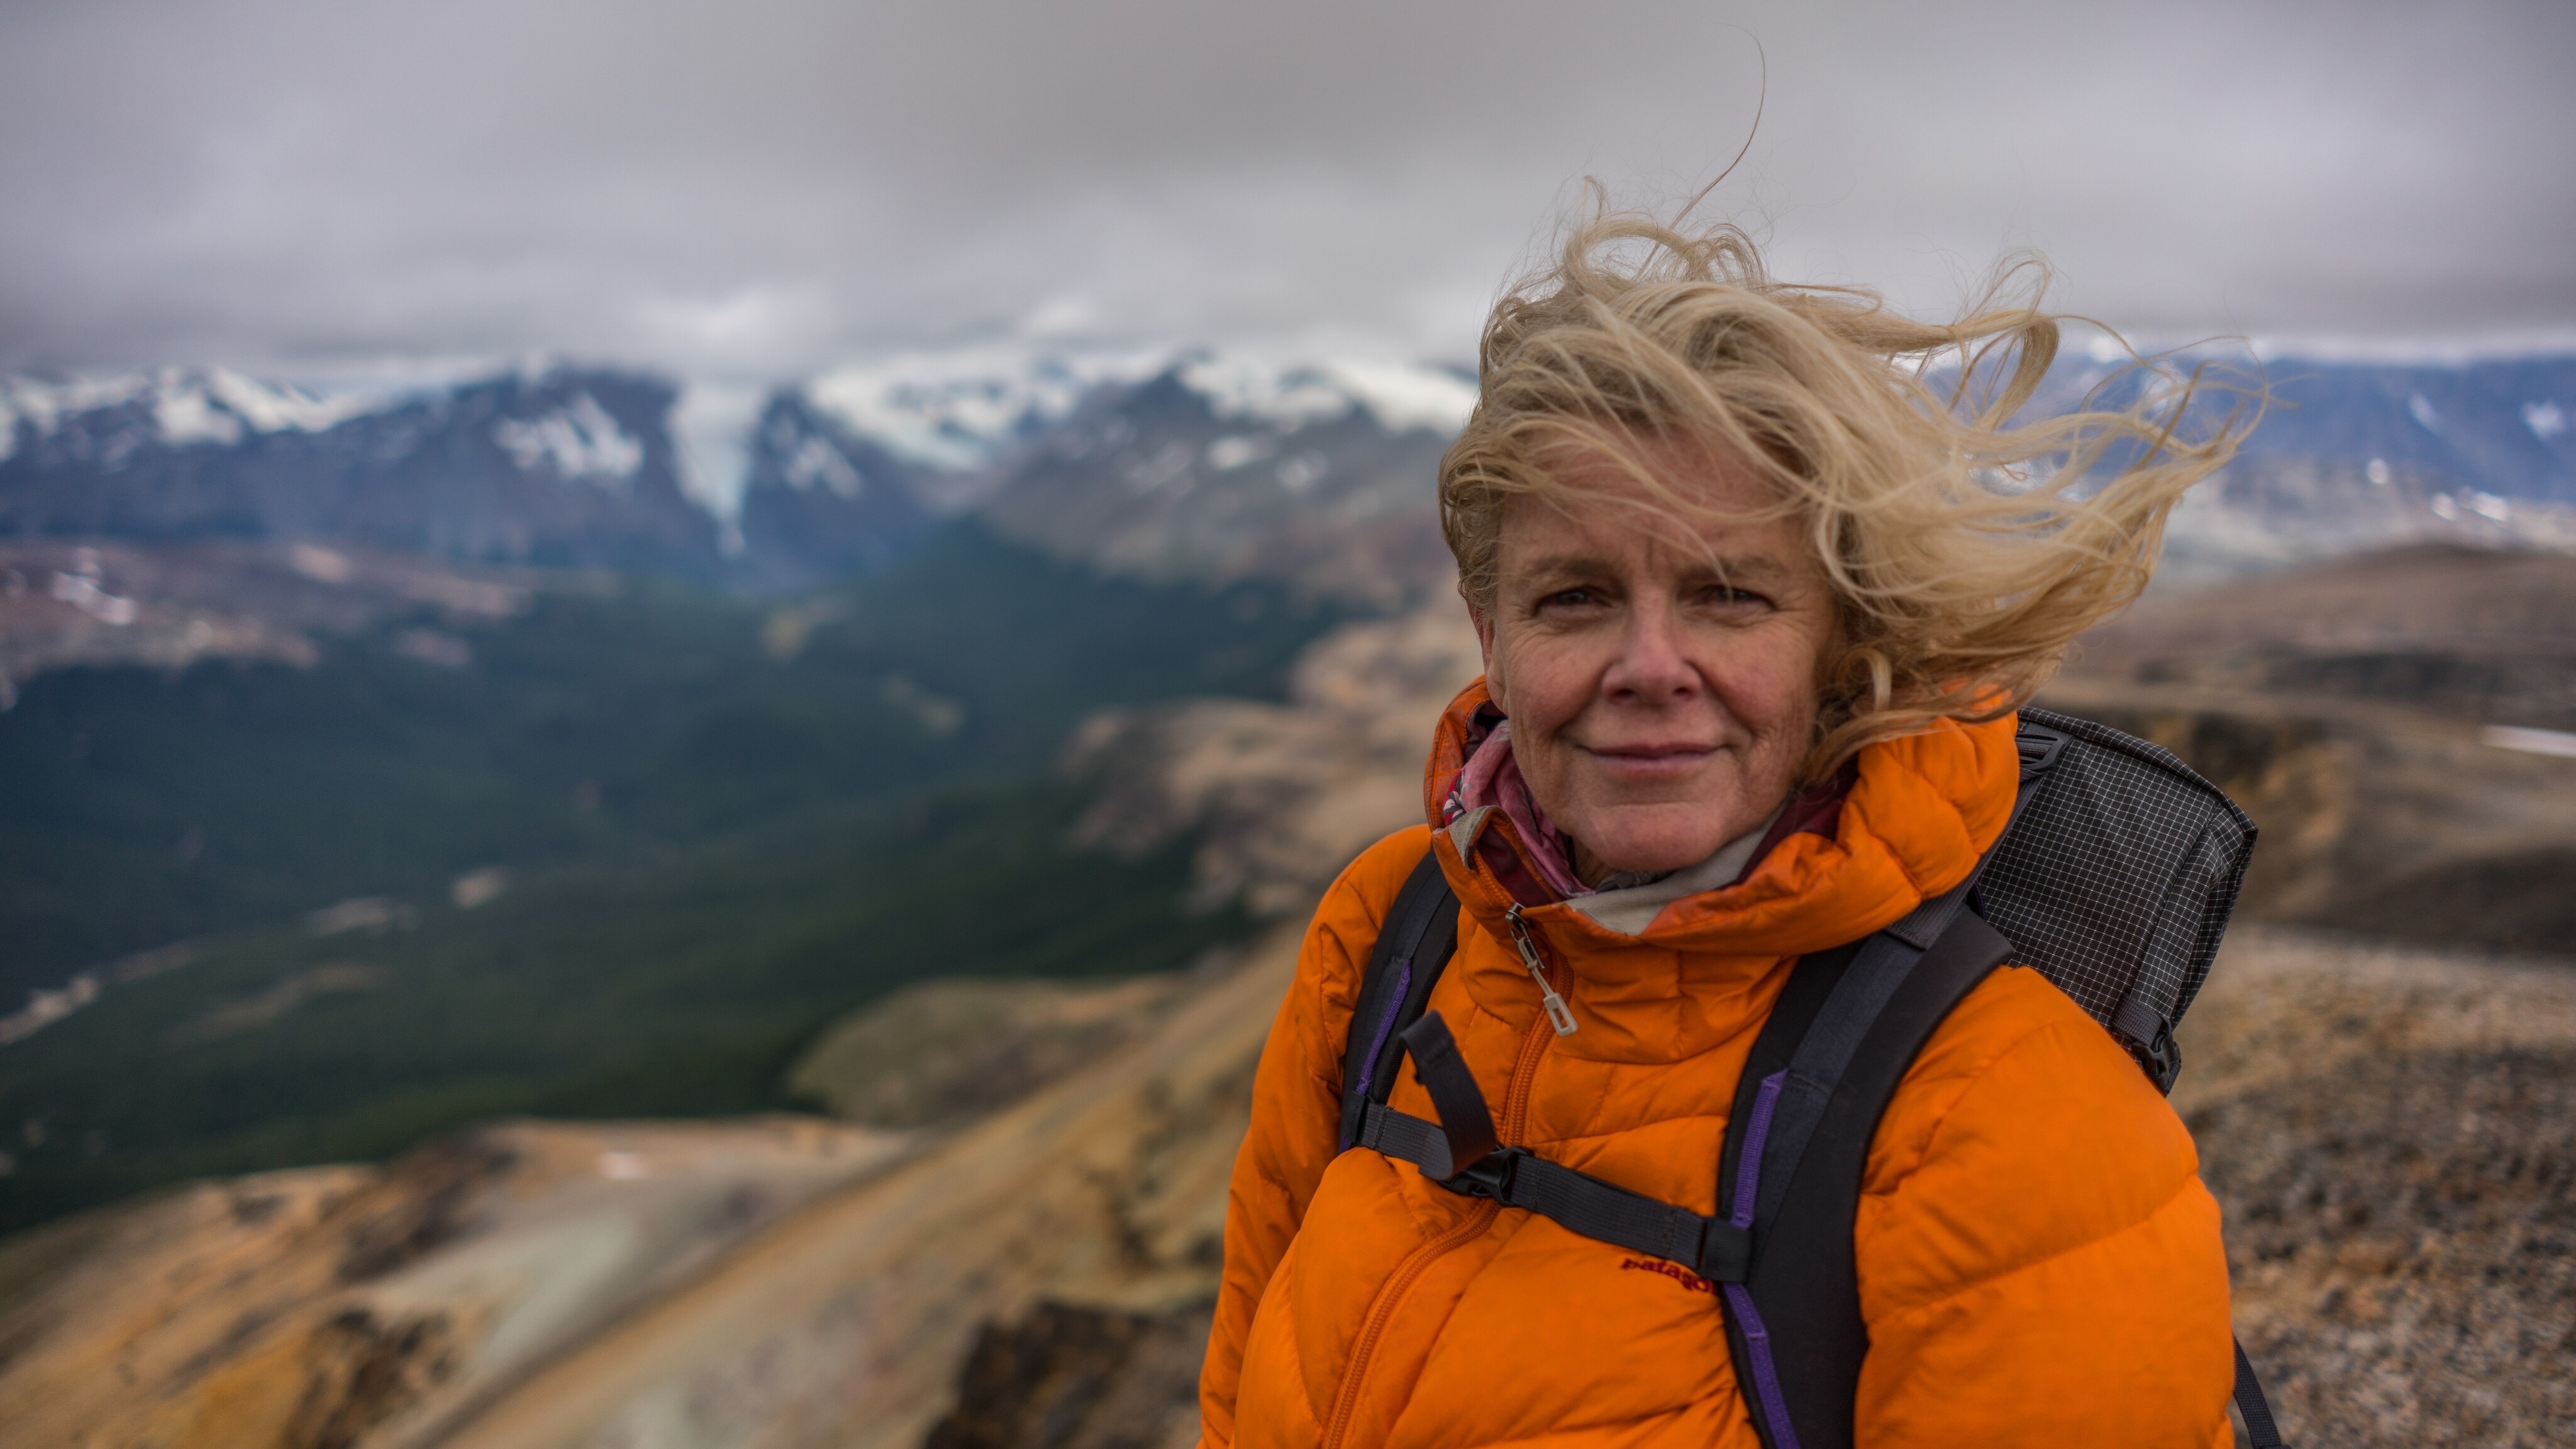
point(759, 188)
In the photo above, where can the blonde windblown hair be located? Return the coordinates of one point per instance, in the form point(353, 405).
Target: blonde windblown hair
point(1965, 547)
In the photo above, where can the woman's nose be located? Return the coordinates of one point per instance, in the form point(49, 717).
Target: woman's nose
point(1652, 667)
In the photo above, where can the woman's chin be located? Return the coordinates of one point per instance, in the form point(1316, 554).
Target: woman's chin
point(1652, 845)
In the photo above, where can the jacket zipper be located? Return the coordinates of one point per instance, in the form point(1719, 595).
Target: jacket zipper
point(1559, 1015)
point(1514, 1123)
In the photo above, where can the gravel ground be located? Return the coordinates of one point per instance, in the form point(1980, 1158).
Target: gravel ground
point(2392, 1134)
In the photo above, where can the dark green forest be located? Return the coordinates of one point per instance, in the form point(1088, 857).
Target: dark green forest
point(722, 823)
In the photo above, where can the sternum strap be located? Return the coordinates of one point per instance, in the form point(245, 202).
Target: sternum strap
point(1714, 1248)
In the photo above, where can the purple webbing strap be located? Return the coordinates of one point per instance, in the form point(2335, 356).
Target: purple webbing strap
point(1739, 1298)
point(1748, 1160)
point(1386, 1023)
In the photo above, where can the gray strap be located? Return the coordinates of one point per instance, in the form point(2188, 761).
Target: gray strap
point(1575, 1201)
point(1847, 1015)
point(1459, 1153)
point(1464, 1119)
point(1401, 1135)
point(2252, 1407)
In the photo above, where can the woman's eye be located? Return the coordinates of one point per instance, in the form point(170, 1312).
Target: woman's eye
point(1719, 596)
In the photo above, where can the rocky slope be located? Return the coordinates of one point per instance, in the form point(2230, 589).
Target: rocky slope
point(329, 1307)
point(106, 604)
point(2392, 1135)
point(2395, 724)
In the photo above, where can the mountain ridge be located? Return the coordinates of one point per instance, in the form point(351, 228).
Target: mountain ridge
point(600, 465)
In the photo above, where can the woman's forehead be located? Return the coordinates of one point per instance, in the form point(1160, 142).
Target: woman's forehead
point(1609, 531)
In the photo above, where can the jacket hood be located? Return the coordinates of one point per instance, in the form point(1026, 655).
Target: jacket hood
point(1907, 820)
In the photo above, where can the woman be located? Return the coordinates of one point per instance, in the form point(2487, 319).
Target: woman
point(1759, 590)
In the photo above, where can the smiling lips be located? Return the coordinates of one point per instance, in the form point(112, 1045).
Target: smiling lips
point(1650, 761)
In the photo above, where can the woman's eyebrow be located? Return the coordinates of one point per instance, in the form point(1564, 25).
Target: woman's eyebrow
point(1753, 568)
point(1559, 564)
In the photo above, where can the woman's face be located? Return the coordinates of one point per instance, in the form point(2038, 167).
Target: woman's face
point(1660, 679)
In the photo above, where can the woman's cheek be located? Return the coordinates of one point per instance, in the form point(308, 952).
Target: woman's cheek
point(1544, 683)
point(1772, 687)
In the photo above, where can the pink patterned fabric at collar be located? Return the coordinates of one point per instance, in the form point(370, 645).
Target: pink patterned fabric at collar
point(1493, 778)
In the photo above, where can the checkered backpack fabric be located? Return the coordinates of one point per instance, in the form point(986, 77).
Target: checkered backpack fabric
point(2117, 879)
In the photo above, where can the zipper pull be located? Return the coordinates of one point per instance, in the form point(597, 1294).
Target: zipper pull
point(1559, 1014)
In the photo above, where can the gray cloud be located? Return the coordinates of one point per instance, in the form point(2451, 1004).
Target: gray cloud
point(764, 187)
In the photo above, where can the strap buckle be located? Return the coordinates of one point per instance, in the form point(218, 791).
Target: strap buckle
point(2039, 748)
point(1488, 1176)
point(2161, 1056)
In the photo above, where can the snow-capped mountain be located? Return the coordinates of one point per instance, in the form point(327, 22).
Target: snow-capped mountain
point(2350, 455)
point(103, 420)
point(1158, 460)
point(843, 470)
point(558, 466)
point(1229, 467)
point(2498, 426)
point(1048, 445)
point(820, 499)
point(951, 416)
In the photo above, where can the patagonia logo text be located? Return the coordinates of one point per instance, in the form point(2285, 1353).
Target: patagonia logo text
point(1674, 1271)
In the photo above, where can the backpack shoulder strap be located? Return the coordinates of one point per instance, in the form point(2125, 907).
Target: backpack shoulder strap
point(1845, 1030)
point(1796, 1144)
point(1413, 948)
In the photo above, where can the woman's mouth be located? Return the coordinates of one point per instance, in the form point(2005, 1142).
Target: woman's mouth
point(1650, 761)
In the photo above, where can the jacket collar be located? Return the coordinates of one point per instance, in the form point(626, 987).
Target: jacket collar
point(1909, 820)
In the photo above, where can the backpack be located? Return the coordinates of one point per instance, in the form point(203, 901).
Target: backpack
point(2114, 879)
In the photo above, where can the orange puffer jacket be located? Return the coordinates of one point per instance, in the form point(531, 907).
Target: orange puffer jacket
point(2038, 1261)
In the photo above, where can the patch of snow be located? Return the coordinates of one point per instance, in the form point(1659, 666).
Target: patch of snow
point(44, 403)
point(1167, 463)
point(322, 565)
point(1401, 396)
point(579, 440)
point(81, 589)
point(478, 887)
point(957, 411)
point(2422, 407)
point(267, 409)
point(2530, 741)
point(184, 415)
point(2487, 505)
point(816, 461)
point(712, 424)
point(1251, 389)
point(2377, 472)
point(44, 1008)
point(1303, 471)
point(82, 592)
point(1409, 397)
point(188, 405)
point(2462, 351)
point(1236, 449)
point(2545, 419)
